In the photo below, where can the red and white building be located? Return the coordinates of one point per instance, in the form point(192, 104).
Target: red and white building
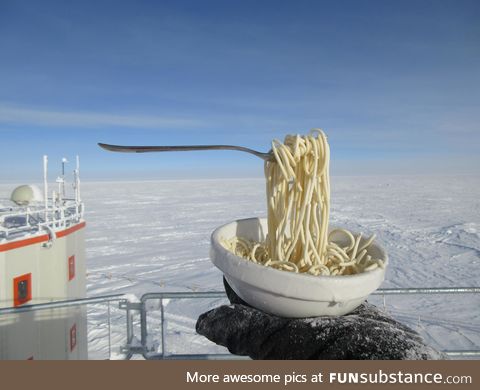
point(42, 259)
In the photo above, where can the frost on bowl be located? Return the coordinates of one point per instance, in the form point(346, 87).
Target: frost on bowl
point(289, 294)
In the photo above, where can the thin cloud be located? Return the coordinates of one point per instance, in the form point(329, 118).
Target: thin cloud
point(25, 116)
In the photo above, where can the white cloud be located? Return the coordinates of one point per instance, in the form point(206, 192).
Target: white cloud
point(27, 116)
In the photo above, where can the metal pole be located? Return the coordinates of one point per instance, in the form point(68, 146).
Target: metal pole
point(129, 327)
point(78, 178)
point(45, 185)
point(63, 178)
point(143, 327)
point(109, 332)
point(380, 291)
point(186, 294)
point(162, 314)
point(427, 290)
point(466, 352)
point(58, 304)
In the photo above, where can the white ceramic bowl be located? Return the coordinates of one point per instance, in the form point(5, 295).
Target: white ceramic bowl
point(289, 294)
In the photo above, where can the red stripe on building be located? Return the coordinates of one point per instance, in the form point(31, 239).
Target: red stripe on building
point(43, 238)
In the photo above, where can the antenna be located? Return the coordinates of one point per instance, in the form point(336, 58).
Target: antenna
point(76, 184)
point(45, 185)
point(64, 161)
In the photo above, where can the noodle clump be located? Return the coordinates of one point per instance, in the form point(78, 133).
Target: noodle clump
point(298, 196)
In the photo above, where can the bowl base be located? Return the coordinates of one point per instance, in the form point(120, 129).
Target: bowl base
point(288, 307)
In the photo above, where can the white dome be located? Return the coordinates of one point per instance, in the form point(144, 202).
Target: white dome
point(26, 194)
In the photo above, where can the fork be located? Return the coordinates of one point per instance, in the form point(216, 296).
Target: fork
point(184, 148)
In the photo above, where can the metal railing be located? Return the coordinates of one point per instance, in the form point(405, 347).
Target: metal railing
point(56, 212)
point(138, 312)
point(147, 353)
point(29, 219)
point(62, 304)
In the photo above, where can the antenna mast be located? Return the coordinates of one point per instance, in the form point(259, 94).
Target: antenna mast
point(64, 161)
point(77, 181)
point(45, 185)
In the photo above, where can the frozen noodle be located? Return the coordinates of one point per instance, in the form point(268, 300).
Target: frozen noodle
point(298, 196)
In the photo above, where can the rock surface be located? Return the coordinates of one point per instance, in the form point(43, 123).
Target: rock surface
point(366, 333)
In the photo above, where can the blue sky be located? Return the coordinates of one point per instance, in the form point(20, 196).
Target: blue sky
point(395, 84)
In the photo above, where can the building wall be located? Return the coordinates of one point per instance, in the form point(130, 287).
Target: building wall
point(52, 272)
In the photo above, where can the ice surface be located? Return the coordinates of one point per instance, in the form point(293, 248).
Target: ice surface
point(154, 236)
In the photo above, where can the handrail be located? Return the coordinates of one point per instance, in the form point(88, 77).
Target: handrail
point(59, 304)
point(52, 215)
point(143, 349)
point(380, 291)
point(427, 290)
point(141, 307)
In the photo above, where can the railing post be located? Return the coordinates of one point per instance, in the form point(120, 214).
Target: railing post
point(143, 326)
point(129, 326)
point(162, 314)
point(109, 333)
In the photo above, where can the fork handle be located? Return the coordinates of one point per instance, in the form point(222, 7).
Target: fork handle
point(183, 148)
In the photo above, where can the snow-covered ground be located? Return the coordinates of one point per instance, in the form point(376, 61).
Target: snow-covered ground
point(154, 236)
